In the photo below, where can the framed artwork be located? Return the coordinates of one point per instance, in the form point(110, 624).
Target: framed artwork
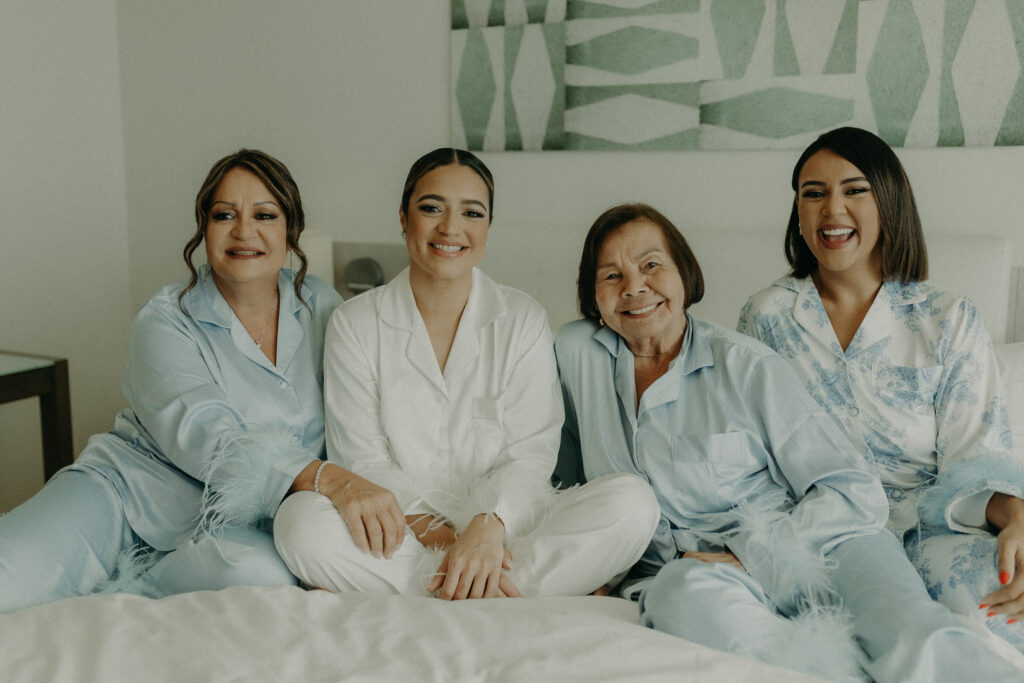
point(734, 74)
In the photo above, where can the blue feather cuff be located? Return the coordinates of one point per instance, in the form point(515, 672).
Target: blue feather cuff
point(996, 473)
point(244, 479)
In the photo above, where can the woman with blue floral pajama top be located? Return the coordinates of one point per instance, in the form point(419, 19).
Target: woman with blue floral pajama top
point(905, 369)
point(770, 517)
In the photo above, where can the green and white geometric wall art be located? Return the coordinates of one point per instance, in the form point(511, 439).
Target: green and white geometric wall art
point(734, 74)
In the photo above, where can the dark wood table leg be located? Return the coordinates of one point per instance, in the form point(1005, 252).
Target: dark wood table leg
point(55, 415)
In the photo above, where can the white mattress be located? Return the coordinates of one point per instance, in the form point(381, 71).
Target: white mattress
point(288, 634)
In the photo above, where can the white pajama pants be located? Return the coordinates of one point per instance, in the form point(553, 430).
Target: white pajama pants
point(905, 635)
point(592, 534)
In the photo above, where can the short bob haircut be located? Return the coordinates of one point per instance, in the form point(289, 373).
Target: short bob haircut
point(446, 156)
point(610, 221)
point(901, 239)
point(278, 180)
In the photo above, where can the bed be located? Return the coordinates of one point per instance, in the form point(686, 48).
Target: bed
point(289, 634)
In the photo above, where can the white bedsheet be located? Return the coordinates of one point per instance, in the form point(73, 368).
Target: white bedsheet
point(288, 634)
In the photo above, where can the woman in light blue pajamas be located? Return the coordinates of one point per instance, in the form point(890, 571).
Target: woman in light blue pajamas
point(224, 380)
point(905, 369)
point(770, 517)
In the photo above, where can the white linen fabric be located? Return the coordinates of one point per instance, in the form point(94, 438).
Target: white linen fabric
point(590, 535)
point(288, 634)
point(481, 437)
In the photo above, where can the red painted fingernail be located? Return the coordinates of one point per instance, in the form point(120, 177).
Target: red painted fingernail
point(990, 614)
point(983, 605)
point(1004, 578)
point(1011, 621)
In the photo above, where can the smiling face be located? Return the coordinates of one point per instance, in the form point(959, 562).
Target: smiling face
point(839, 218)
point(638, 288)
point(446, 224)
point(246, 232)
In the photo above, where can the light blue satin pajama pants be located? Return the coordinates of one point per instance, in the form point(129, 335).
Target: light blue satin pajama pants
point(905, 634)
point(66, 539)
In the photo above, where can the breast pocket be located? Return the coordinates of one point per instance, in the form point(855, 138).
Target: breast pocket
point(907, 388)
point(488, 428)
point(710, 468)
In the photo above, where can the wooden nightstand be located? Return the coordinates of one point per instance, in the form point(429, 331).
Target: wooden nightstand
point(24, 375)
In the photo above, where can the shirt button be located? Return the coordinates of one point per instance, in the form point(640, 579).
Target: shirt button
point(282, 384)
point(853, 411)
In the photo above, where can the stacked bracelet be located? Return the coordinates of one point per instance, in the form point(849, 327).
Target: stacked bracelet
point(316, 478)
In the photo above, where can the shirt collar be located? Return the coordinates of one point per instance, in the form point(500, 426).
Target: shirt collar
point(694, 353)
point(205, 303)
point(484, 306)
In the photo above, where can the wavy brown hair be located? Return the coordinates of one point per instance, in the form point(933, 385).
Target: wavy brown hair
point(278, 179)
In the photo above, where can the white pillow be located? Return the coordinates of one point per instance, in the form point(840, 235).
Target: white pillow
point(1010, 358)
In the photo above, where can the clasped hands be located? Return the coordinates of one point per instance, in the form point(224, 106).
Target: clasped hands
point(474, 563)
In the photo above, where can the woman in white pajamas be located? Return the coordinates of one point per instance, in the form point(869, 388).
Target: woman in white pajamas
point(905, 369)
point(443, 417)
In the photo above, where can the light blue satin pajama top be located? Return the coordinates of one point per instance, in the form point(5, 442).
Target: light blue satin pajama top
point(727, 425)
point(208, 406)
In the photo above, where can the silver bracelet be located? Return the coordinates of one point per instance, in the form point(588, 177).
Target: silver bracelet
point(316, 479)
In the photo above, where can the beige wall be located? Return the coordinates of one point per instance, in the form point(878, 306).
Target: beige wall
point(63, 232)
point(347, 94)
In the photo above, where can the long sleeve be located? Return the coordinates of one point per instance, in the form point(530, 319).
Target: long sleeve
point(241, 429)
point(517, 487)
point(832, 493)
point(973, 444)
point(355, 432)
point(479, 437)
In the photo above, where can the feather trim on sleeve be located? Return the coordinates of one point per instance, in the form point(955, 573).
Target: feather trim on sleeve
point(996, 473)
point(129, 575)
point(768, 543)
point(243, 486)
point(818, 641)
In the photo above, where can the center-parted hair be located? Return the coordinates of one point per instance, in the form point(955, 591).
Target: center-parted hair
point(901, 240)
point(446, 156)
point(610, 221)
point(278, 179)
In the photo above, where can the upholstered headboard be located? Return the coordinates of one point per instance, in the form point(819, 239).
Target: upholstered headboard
point(737, 263)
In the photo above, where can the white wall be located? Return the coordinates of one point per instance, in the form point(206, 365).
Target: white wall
point(63, 233)
point(347, 94)
point(344, 93)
